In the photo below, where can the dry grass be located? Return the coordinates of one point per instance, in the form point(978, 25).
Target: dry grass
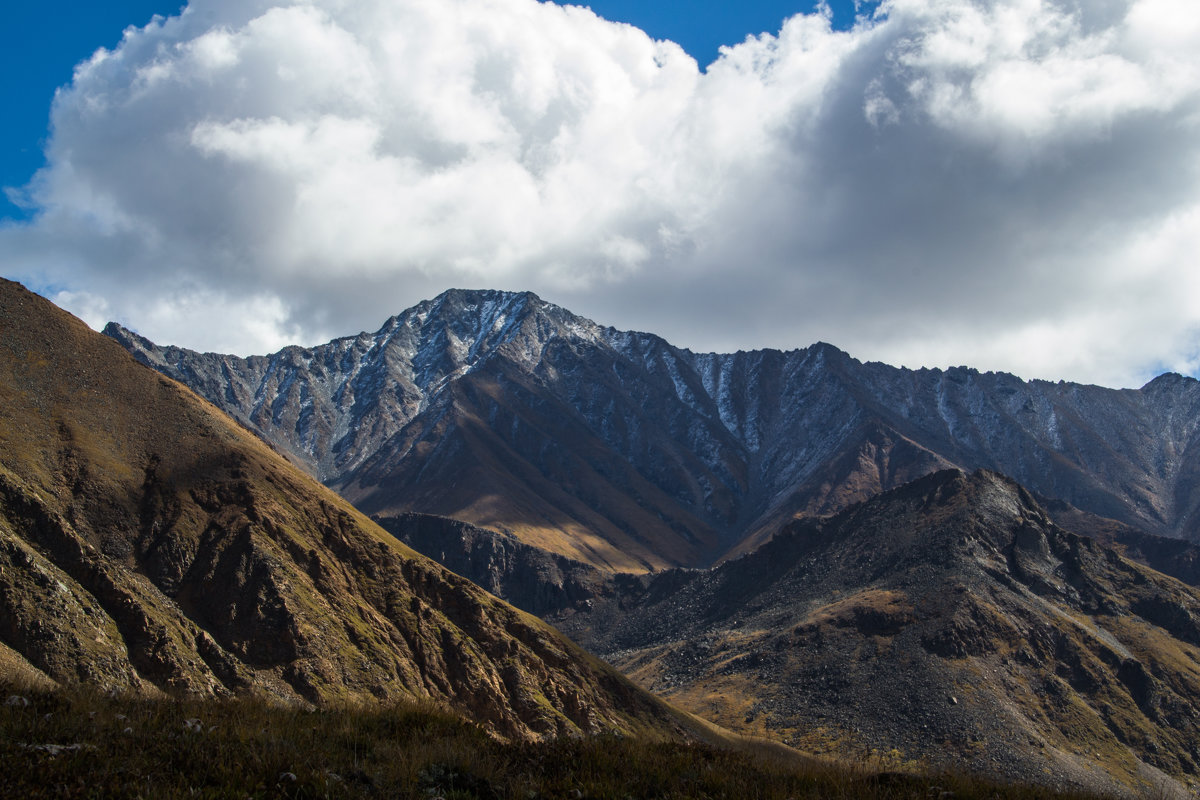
point(75, 744)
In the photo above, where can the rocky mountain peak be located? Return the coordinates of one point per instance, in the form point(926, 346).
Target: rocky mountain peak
point(1170, 382)
point(600, 440)
point(981, 492)
point(474, 322)
point(330, 406)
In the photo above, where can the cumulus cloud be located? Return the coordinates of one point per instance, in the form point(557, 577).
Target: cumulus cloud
point(1011, 184)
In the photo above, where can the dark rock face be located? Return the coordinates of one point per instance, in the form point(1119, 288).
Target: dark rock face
point(532, 579)
point(619, 450)
point(149, 544)
point(1175, 557)
point(948, 621)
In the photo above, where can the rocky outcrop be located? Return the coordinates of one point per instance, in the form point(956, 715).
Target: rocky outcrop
point(1175, 557)
point(532, 579)
point(624, 452)
point(149, 544)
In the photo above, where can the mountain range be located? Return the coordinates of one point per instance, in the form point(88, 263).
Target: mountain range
point(795, 545)
point(619, 450)
point(149, 544)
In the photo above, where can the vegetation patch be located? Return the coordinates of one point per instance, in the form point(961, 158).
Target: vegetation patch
point(78, 744)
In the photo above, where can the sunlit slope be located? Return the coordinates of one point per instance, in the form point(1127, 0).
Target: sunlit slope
point(148, 543)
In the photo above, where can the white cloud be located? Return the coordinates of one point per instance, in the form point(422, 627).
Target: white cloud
point(1011, 184)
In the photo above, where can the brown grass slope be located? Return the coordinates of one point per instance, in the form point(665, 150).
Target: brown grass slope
point(77, 744)
point(149, 544)
point(947, 622)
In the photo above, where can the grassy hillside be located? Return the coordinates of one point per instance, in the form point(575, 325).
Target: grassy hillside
point(73, 744)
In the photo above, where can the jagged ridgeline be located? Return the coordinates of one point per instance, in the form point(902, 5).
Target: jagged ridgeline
point(150, 544)
point(622, 451)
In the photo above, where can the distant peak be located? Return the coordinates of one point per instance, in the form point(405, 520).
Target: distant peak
point(828, 354)
point(1166, 381)
point(828, 350)
point(948, 483)
point(938, 482)
point(115, 330)
point(457, 302)
point(470, 296)
point(454, 302)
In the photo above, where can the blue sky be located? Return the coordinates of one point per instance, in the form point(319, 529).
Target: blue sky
point(42, 44)
point(1007, 184)
point(44, 41)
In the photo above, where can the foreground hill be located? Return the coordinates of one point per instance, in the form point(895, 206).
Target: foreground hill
point(149, 544)
point(949, 622)
point(619, 450)
point(74, 744)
